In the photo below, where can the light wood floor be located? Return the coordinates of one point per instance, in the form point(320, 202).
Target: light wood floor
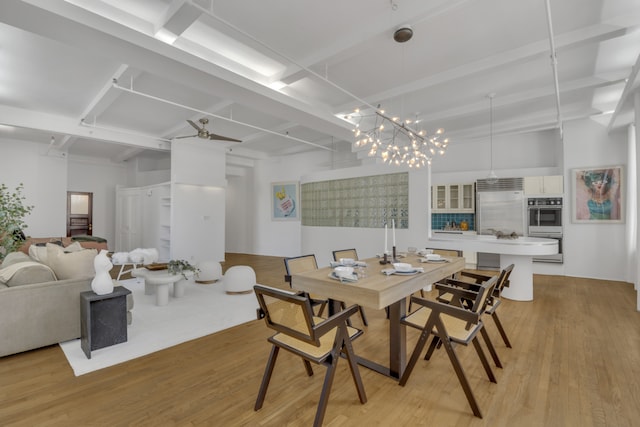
point(575, 362)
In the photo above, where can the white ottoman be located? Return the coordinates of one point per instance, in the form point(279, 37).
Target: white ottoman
point(239, 279)
point(210, 272)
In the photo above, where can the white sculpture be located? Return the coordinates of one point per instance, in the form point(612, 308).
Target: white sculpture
point(102, 283)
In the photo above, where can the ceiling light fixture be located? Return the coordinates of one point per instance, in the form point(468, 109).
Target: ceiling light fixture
point(492, 178)
point(403, 34)
point(394, 141)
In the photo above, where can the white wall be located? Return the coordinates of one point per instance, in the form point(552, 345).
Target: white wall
point(240, 213)
point(593, 250)
point(198, 201)
point(101, 179)
point(45, 184)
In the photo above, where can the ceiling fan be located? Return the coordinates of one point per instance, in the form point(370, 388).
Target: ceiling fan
point(205, 134)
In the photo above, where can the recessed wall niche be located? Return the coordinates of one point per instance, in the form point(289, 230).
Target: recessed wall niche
point(366, 202)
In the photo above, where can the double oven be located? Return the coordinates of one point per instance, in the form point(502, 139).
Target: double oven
point(544, 219)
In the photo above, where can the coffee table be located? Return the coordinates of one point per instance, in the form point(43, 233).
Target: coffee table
point(158, 282)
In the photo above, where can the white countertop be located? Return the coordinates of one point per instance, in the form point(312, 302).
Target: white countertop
point(491, 244)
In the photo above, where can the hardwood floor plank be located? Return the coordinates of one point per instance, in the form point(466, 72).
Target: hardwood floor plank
point(575, 361)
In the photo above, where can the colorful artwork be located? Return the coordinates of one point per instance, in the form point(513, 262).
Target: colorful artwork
point(597, 195)
point(284, 200)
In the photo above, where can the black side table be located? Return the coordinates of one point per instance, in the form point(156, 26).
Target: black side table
point(103, 319)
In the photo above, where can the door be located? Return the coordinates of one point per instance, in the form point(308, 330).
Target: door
point(79, 213)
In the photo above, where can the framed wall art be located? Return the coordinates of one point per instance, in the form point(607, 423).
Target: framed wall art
point(284, 201)
point(597, 195)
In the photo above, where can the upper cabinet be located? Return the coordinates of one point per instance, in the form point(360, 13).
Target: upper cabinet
point(544, 185)
point(453, 198)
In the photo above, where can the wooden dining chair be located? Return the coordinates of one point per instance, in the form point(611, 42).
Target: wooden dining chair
point(302, 264)
point(317, 340)
point(352, 254)
point(451, 325)
point(493, 300)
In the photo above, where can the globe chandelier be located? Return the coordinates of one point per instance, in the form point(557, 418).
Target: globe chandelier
point(394, 140)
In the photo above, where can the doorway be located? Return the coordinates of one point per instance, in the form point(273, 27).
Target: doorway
point(79, 213)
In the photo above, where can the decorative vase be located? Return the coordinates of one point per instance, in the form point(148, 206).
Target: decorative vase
point(102, 283)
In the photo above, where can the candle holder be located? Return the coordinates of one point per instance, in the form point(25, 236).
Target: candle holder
point(395, 259)
point(385, 259)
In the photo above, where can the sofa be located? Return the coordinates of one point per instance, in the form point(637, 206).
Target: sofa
point(40, 296)
point(87, 242)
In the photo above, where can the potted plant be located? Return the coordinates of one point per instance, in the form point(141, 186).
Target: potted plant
point(180, 266)
point(12, 212)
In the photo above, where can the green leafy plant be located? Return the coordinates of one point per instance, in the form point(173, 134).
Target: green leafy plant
point(12, 213)
point(180, 266)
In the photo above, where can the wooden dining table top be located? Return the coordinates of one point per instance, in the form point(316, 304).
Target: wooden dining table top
point(377, 290)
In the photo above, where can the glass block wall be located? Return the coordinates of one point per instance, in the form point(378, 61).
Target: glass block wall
point(367, 202)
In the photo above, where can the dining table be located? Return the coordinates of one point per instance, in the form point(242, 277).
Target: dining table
point(377, 289)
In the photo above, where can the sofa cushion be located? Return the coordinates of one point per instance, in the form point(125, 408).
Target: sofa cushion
point(71, 265)
point(29, 274)
point(13, 258)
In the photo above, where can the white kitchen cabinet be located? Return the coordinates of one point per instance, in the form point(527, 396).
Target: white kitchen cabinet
point(457, 198)
point(553, 184)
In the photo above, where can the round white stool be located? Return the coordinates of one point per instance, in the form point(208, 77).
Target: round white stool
point(210, 272)
point(239, 279)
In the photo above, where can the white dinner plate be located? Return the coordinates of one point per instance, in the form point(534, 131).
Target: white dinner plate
point(353, 278)
point(406, 273)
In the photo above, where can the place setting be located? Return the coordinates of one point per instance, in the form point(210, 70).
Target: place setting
point(344, 274)
point(428, 256)
point(402, 269)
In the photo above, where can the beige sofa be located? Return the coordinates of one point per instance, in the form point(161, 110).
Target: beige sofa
point(36, 309)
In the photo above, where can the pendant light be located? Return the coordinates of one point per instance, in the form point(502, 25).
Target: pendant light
point(492, 178)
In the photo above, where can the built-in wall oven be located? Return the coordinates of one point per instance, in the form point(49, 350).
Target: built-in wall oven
point(544, 219)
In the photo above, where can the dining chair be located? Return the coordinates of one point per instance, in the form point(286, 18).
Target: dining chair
point(301, 264)
point(443, 253)
point(450, 325)
point(317, 340)
point(493, 300)
point(352, 254)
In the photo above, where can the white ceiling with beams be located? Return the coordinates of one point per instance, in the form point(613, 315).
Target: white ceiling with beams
point(114, 78)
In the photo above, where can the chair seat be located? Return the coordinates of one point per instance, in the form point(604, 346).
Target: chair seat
point(457, 329)
point(317, 352)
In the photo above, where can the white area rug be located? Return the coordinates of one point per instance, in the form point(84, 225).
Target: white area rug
point(203, 310)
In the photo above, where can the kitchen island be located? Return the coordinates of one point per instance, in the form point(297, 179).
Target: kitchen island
point(519, 251)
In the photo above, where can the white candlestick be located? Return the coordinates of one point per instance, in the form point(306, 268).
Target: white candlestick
point(385, 237)
point(393, 224)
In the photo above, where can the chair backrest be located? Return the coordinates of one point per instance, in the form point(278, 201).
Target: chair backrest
point(503, 279)
point(484, 292)
point(299, 264)
point(287, 313)
point(345, 253)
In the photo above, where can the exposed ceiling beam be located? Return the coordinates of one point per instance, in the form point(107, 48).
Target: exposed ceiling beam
point(633, 81)
point(53, 123)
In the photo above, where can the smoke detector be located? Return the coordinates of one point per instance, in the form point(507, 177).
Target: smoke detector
point(403, 34)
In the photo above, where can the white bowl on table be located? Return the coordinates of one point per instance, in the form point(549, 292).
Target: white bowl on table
point(402, 266)
point(433, 257)
point(347, 261)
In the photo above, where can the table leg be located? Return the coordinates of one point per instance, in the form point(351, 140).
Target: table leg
point(162, 294)
point(397, 339)
point(179, 287)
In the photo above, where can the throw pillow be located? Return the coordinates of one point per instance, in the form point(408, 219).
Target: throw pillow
point(38, 253)
point(71, 265)
point(74, 247)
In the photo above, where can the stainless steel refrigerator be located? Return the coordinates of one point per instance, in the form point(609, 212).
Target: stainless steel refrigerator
point(500, 207)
